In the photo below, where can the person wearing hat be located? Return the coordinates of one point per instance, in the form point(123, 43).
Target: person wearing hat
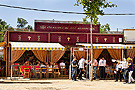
point(81, 67)
point(130, 70)
point(118, 71)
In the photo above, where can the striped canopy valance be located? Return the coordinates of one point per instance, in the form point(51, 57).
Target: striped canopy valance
point(36, 46)
point(106, 46)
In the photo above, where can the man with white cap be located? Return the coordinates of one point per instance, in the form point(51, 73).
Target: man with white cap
point(130, 70)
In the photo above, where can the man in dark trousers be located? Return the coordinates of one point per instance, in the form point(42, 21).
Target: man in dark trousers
point(74, 69)
point(102, 64)
point(118, 71)
point(81, 67)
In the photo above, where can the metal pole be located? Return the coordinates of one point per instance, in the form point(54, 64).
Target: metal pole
point(73, 52)
point(91, 76)
point(87, 66)
point(6, 62)
point(11, 72)
point(70, 63)
point(122, 54)
point(87, 54)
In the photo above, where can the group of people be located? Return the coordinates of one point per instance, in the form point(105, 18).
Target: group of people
point(124, 69)
point(74, 68)
point(37, 67)
point(82, 61)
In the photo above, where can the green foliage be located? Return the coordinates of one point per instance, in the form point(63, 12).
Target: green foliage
point(94, 7)
point(105, 27)
point(29, 27)
point(3, 28)
point(21, 22)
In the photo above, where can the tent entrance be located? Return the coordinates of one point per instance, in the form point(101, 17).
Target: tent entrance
point(28, 55)
point(106, 55)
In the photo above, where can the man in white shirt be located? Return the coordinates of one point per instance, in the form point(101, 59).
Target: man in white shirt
point(125, 70)
point(81, 66)
point(119, 71)
point(102, 64)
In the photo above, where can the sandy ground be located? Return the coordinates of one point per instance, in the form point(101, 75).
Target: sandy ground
point(68, 85)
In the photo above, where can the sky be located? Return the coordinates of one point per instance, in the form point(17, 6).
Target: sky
point(10, 15)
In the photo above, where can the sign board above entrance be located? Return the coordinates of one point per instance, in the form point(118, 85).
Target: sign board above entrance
point(61, 26)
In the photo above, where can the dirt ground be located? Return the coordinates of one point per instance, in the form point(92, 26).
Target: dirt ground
point(66, 85)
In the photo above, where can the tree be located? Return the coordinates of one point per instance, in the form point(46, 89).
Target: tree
point(3, 28)
point(29, 27)
point(94, 7)
point(105, 27)
point(21, 23)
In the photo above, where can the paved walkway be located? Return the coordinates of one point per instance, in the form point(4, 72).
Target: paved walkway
point(65, 85)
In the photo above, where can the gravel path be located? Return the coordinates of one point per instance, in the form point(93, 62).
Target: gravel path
point(68, 85)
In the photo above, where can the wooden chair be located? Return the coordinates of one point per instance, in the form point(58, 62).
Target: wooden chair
point(44, 71)
point(20, 71)
point(62, 70)
point(56, 72)
point(98, 73)
point(27, 73)
point(38, 71)
point(110, 74)
point(107, 71)
point(50, 72)
point(16, 70)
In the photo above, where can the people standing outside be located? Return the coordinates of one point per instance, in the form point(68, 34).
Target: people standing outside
point(118, 71)
point(74, 69)
point(102, 64)
point(81, 67)
point(130, 70)
point(95, 65)
point(125, 70)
